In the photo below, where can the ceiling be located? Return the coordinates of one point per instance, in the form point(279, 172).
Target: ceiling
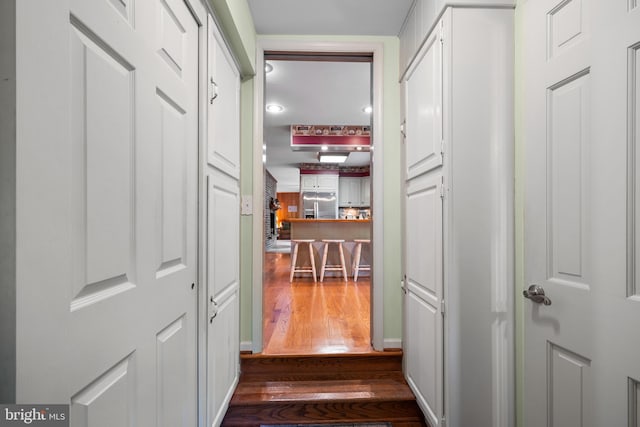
point(329, 17)
point(312, 93)
point(318, 93)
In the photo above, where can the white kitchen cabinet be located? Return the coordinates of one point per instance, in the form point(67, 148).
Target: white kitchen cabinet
point(318, 182)
point(458, 211)
point(354, 192)
point(365, 191)
point(349, 194)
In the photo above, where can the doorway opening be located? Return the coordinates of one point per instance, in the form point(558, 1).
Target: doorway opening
point(327, 96)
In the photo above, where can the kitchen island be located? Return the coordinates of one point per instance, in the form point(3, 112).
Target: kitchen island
point(318, 229)
point(346, 229)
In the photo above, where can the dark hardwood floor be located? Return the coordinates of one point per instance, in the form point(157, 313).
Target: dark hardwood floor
point(304, 317)
point(315, 389)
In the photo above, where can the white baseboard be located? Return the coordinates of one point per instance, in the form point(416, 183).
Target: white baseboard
point(392, 343)
point(246, 346)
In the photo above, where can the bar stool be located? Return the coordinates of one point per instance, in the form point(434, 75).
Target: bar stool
point(357, 267)
point(333, 267)
point(294, 258)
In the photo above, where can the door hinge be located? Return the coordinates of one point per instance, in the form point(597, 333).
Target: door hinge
point(442, 187)
point(442, 147)
point(402, 130)
point(443, 422)
point(403, 284)
point(443, 307)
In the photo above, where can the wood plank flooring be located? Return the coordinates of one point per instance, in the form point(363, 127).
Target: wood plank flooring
point(317, 365)
point(304, 317)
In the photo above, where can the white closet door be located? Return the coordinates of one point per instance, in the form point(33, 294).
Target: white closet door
point(222, 228)
point(581, 121)
point(423, 321)
point(107, 197)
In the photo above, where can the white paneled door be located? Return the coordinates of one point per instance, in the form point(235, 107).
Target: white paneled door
point(423, 247)
point(581, 103)
point(222, 225)
point(107, 219)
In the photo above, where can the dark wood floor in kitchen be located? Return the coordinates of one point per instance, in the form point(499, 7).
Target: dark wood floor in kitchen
point(304, 317)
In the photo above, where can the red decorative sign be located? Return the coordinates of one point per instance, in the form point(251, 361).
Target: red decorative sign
point(312, 137)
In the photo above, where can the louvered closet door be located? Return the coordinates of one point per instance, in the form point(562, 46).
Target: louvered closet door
point(581, 120)
point(423, 321)
point(107, 171)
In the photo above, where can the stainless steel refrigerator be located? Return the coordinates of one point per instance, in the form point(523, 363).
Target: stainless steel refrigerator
point(320, 205)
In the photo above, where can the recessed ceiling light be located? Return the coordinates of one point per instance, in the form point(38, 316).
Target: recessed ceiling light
point(368, 109)
point(275, 108)
point(268, 67)
point(359, 148)
point(324, 148)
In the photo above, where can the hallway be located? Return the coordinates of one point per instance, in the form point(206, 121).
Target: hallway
point(307, 318)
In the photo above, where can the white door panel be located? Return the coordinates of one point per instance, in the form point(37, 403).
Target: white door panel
point(223, 283)
point(423, 337)
point(108, 259)
point(223, 111)
point(222, 225)
point(103, 177)
point(225, 339)
point(108, 401)
point(422, 361)
point(567, 177)
point(424, 109)
point(580, 121)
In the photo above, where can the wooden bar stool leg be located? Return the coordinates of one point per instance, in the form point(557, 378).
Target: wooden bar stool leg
point(344, 266)
point(324, 261)
point(294, 258)
point(358, 267)
point(313, 263)
point(356, 261)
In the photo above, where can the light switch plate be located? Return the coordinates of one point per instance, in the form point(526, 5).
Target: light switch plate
point(246, 205)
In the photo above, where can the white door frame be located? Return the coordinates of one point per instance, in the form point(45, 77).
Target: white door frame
point(202, 154)
point(377, 273)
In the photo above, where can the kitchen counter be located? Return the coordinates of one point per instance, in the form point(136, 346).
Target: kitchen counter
point(346, 229)
point(318, 229)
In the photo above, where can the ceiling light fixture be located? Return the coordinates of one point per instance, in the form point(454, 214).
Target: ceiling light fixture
point(274, 108)
point(332, 157)
point(268, 67)
point(324, 148)
point(368, 109)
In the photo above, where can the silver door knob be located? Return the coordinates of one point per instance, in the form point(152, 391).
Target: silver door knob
point(536, 294)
